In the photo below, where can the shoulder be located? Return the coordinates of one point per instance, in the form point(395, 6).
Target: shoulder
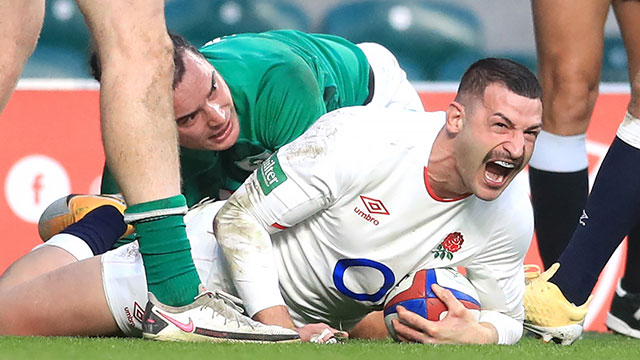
point(381, 122)
point(360, 134)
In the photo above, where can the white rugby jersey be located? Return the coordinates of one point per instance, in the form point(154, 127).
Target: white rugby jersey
point(350, 213)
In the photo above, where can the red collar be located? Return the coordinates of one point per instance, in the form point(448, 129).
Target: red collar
point(433, 195)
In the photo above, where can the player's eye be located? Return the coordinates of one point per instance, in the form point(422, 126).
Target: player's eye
point(500, 127)
point(187, 120)
point(214, 84)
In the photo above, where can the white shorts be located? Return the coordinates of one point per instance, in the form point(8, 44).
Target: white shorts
point(123, 274)
point(391, 86)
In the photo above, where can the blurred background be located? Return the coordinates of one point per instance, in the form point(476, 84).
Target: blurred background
point(434, 40)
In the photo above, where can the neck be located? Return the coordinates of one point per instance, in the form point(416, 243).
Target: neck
point(443, 176)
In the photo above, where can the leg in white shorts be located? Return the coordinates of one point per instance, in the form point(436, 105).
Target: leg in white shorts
point(391, 86)
point(123, 275)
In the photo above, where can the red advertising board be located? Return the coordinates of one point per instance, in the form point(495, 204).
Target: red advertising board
point(51, 146)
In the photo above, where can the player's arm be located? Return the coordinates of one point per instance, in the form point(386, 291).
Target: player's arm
point(243, 227)
point(289, 102)
point(244, 236)
point(501, 297)
point(498, 274)
point(498, 277)
point(371, 327)
point(287, 188)
point(269, 200)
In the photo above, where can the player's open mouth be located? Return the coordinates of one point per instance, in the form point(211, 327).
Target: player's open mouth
point(222, 134)
point(497, 172)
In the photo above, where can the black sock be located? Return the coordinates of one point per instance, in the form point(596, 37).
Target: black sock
point(558, 200)
point(631, 280)
point(612, 209)
point(100, 228)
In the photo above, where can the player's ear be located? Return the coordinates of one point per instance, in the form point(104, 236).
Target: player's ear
point(455, 117)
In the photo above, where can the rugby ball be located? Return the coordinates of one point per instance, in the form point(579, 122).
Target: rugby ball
point(414, 293)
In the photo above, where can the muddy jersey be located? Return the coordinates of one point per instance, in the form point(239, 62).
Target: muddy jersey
point(346, 212)
point(281, 82)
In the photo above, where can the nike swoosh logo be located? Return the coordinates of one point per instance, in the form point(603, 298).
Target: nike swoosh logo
point(182, 326)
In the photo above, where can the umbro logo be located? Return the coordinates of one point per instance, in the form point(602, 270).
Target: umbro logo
point(373, 206)
point(138, 313)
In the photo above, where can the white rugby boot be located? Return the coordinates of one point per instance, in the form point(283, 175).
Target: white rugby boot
point(214, 317)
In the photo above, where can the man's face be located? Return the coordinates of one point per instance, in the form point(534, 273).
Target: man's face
point(203, 106)
point(496, 140)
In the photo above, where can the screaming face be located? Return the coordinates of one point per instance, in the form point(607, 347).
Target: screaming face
point(496, 140)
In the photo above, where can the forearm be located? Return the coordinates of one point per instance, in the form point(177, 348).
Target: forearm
point(248, 250)
point(371, 327)
point(276, 315)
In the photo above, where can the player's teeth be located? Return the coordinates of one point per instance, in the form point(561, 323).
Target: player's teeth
point(493, 176)
point(504, 164)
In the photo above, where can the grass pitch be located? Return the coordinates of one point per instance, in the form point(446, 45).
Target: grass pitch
point(593, 346)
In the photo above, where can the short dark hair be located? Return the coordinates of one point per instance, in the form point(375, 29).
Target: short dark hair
point(180, 46)
point(515, 77)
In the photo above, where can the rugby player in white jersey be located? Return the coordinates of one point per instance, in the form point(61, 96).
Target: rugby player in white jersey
point(330, 223)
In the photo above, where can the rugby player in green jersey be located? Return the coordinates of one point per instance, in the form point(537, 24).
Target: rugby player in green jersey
point(240, 98)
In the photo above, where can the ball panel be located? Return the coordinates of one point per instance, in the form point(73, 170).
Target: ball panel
point(431, 278)
point(417, 289)
point(418, 306)
point(435, 308)
point(465, 298)
point(415, 294)
point(471, 305)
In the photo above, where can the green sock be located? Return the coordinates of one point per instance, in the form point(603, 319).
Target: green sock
point(166, 252)
point(124, 240)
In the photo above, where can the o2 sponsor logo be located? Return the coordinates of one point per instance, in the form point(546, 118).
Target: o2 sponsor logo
point(33, 183)
point(351, 273)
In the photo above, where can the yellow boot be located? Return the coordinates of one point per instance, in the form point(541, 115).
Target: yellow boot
point(548, 313)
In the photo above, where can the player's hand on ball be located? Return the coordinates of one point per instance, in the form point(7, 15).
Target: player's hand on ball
point(459, 326)
point(321, 334)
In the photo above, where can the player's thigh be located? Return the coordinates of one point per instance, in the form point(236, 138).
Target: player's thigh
point(21, 22)
point(569, 36)
point(133, 25)
point(37, 262)
point(67, 301)
point(627, 14)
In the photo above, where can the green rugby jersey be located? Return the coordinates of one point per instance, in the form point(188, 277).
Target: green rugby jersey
point(281, 81)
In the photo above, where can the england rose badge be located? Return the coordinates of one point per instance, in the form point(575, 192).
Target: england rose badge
point(451, 243)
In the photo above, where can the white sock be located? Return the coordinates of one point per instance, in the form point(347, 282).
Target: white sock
point(629, 130)
point(562, 154)
point(71, 244)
